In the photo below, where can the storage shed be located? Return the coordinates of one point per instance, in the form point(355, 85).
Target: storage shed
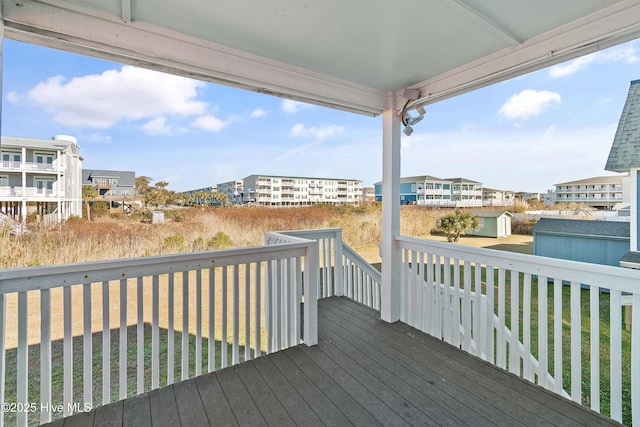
point(492, 224)
point(598, 242)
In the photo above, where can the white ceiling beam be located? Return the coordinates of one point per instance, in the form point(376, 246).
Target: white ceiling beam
point(611, 26)
point(85, 31)
point(462, 8)
point(126, 11)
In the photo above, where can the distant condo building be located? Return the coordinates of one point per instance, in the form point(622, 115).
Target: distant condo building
point(426, 190)
point(276, 190)
point(603, 192)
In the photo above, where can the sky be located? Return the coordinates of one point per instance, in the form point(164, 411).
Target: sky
point(526, 134)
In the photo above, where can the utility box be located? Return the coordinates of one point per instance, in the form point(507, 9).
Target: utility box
point(157, 217)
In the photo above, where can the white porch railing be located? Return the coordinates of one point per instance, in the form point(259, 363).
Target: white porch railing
point(353, 277)
point(126, 316)
point(472, 297)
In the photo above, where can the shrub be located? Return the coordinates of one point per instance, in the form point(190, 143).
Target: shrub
point(220, 241)
point(175, 241)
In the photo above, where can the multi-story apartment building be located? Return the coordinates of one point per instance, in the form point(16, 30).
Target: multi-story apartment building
point(43, 175)
point(602, 192)
point(233, 190)
point(274, 190)
point(493, 197)
point(427, 190)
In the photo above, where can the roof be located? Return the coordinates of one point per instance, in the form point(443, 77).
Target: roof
point(625, 151)
point(298, 177)
point(35, 143)
point(125, 178)
point(582, 227)
point(491, 214)
point(608, 179)
point(357, 56)
point(463, 180)
point(419, 178)
point(493, 190)
point(630, 260)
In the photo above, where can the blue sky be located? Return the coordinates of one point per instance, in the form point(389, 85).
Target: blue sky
point(526, 134)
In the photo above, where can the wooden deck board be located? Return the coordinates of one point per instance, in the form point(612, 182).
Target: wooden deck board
point(363, 372)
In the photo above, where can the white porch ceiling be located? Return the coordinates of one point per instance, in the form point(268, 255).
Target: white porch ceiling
point(356, 55)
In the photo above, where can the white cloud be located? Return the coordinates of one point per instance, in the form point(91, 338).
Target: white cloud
point(292, 107)
point(129, 94)
point(319, 133)
point(13, 97)
point(210, 123)
point(528, 103)
point(158, 126)
point(259, 112)
point(625, 54)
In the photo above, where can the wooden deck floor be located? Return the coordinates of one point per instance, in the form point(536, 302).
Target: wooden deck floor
point(363, 372)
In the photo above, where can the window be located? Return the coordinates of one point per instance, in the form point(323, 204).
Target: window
point(4, 181)
point(413, 188)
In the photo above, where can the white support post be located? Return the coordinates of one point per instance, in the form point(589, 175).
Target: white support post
point(337, 265)
point(311, 294)
point(390, 289)
point(633, 196)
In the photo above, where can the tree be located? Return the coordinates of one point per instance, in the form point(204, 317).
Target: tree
point(456, 223)
point(142, 184)
point(89, 193)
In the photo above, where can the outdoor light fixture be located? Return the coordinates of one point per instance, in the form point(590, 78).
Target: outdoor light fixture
point(407, 120)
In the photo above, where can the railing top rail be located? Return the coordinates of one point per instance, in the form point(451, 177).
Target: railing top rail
point(46, 277)
point(313, 233)
point(617, 278)
point(362, 263)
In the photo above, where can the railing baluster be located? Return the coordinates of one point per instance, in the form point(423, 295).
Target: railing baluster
point(247, 311)
point(45, 354)
point(155, 332)
point(415, 297)
point(171, 361)
point(446, 307)
point(140, 336)
point(466, 307)
point(106, 346)
point(430, 307)
point(456, 302)
point(514, 343)
point(526, 328)
point(212, 320)
point(501, 349)
point(268, 302)
point(22, 357)
point(236, 316)
point(594, 319)
point(198, 361)
point(122, 351)
point(87, 345)
point(223, 341)
point(615, 354)
point(490, 310)
point(257, 310)
point(576, 344)
point(557, 334)
point(277, 312)
point(434, 263)
point(478, 330)
point(185, 325)
point(543, 336)
point(3, 337)
point(67, 393)
point(297, 302)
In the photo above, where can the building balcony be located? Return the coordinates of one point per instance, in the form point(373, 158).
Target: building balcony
point(30, 167)
point(254, 350)
point(30, 192)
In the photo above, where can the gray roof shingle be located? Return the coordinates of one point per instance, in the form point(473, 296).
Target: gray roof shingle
point(625, 151)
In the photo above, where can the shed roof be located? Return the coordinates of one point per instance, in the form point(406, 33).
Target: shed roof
point(491, 214)
point(582, 227)
point(625, 151)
